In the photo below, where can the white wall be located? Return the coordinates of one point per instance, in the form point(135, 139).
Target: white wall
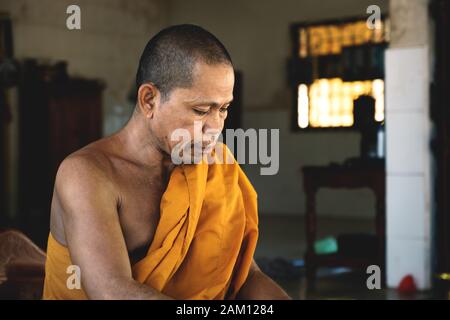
point(408, 132)
point(257, 35)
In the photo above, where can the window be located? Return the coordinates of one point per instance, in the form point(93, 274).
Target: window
point(329, 102)
point(334, 63)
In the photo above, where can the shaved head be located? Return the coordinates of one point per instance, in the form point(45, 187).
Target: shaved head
point(169, 57)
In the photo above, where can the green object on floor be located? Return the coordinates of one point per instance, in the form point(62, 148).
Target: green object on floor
point(326, 245)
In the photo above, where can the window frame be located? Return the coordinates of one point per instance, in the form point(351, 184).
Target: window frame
point(295, 59)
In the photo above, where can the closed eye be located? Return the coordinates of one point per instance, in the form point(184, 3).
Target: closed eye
point(224, 108)
point(200, 112)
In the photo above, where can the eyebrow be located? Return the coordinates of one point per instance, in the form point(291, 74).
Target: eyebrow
point(207, 103)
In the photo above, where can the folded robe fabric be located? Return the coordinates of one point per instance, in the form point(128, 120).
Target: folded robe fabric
point(205, 240)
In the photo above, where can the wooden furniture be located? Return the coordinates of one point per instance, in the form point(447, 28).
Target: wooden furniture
point(7, 80)
point(58, 115)
point(336, 176)
point(22, 267)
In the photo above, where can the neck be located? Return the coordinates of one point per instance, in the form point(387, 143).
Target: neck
point(142, 146)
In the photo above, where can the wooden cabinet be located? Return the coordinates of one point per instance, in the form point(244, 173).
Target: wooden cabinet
point(58, 115)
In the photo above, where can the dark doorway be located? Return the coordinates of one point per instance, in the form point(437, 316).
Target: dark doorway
point(440, 112)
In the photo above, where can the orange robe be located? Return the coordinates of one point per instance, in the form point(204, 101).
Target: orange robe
point(204, 243)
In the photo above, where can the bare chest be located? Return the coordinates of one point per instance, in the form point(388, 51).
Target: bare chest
point(140, 198)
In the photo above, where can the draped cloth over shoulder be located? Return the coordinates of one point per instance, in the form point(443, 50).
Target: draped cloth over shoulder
point(206, 236)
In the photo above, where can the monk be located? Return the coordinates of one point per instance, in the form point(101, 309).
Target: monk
point(127, 223)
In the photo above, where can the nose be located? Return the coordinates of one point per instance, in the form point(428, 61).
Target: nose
point(214, 123)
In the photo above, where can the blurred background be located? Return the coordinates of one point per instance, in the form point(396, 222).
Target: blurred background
point(359, 90)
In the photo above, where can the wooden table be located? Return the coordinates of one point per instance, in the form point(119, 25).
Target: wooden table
point(342, 176)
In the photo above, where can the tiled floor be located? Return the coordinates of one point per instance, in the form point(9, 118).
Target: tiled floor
point(283, 237)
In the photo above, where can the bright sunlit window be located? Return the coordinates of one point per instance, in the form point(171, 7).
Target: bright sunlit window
point(334, 63)
point(329, 102)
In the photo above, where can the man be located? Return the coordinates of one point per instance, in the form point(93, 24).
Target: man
point(126, 223)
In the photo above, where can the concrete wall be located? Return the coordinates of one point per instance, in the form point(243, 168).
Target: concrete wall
point(112, 36)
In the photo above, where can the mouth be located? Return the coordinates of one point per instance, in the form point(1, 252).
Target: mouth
point(209, 147)
point(193, 151)
point(205, 147)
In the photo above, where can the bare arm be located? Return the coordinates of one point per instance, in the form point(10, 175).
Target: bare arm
point(93, 233)
point(259, 286)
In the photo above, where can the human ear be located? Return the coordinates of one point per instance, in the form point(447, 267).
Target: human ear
point(146, 98)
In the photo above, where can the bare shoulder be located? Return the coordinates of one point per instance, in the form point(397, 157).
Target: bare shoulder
point(86, 177)
point(91, 164)
point(84, 180)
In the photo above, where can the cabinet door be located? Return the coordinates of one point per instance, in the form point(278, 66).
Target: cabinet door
point(75, 121)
